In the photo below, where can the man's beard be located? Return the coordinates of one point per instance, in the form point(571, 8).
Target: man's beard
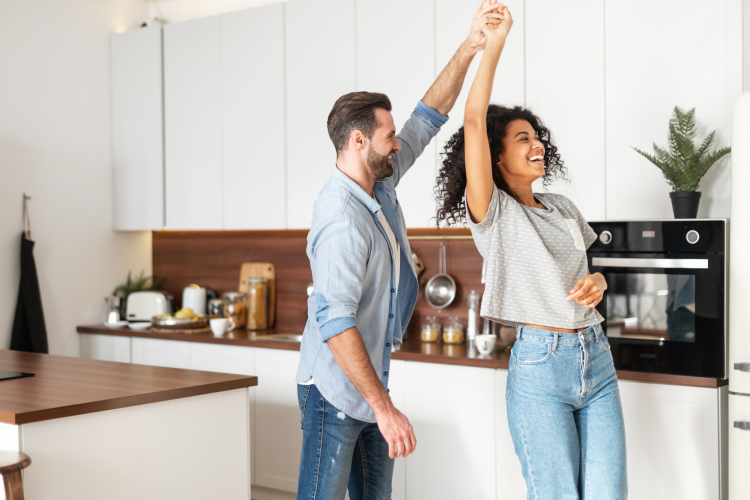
point(378, 164)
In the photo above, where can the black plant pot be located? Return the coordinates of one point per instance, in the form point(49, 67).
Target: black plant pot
point(685, 204)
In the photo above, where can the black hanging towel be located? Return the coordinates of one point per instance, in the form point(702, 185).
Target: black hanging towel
point(29, 329)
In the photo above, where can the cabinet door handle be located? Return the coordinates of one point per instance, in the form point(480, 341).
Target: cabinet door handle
point(745, 426)
point(743, 367)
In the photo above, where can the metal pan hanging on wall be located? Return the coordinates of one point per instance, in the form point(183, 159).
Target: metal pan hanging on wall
point(440, 291)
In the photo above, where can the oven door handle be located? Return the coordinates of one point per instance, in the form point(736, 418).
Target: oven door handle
point(654, 263)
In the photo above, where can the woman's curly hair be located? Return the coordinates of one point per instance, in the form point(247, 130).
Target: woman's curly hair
point(451, 181)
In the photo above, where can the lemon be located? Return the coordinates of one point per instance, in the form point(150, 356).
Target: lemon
point(185, 312)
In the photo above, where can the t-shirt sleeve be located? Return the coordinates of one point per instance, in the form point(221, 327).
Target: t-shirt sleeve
point(589, 236)
point(481, 230)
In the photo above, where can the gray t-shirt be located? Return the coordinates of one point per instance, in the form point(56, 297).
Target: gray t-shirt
point(534, 258)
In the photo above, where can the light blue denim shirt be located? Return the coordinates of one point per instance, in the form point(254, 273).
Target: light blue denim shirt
point(353, 272)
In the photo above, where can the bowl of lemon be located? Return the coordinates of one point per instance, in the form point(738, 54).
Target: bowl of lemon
point(184, 318)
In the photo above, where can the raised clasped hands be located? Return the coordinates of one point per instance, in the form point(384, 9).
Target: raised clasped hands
point(498, 27)
point(494, 19)
point(589, 290)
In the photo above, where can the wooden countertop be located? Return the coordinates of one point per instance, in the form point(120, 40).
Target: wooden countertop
point(411, 350)
point(64, 386)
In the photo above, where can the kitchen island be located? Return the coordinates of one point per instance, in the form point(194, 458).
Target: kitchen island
point(97, 429)
point(455, 399)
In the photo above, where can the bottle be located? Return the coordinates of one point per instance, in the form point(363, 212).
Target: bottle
point(471, 326)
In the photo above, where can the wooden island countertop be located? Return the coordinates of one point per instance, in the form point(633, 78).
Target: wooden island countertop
point(411, 350)
point(66, 386)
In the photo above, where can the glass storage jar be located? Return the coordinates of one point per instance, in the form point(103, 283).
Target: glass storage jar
point(257, 303)
point(217, 308)
point(453, 332)
point(431, 330)
point(236, 307)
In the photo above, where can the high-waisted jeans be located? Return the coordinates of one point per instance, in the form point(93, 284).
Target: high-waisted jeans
point(565, 415)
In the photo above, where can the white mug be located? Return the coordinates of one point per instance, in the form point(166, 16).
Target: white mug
point(220, 326)
point(485, 343)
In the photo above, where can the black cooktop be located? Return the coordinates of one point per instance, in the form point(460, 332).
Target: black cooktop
point(8, 375)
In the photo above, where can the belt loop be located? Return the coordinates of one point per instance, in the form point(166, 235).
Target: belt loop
point(554, 342)
point(596, 333)
point(518, 332)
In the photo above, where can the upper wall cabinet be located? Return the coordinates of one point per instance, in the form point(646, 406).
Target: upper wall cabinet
point(320, 68)
point(253, 119)
point(565, 88)
point(192, 113)
point(224, 113)
point(668, 64)
point(405, 80)
point(137, 154)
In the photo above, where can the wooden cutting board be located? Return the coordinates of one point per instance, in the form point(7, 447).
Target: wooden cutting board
point(261, 270)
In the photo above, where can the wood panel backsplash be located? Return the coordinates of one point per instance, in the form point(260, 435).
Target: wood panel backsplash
point(213, 259)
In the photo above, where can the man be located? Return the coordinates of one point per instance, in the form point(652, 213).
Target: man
point(365, 289)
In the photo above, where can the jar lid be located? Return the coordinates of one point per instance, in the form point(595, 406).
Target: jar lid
point(234, 295)
point(255, 281)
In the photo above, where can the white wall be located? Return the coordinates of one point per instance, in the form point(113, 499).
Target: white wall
point(55, 146)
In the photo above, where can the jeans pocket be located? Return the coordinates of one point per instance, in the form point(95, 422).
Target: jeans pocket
point(604, 342)
point(533, 353)
point(303, 392)
point(511, 382)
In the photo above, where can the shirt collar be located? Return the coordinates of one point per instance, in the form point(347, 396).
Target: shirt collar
point(359, 193)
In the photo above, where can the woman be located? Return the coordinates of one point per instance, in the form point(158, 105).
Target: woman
point(562, 397)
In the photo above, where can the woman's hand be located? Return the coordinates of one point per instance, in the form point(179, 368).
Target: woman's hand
point(498, 32)
point(589, 290)
point(482, 17)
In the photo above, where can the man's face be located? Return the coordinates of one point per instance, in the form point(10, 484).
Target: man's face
point(382, 146)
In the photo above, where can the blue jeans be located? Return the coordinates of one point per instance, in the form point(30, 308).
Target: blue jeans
point(565, 415)
point(339, 452)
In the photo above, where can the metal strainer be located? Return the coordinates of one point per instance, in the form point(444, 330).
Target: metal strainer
point(441, 289)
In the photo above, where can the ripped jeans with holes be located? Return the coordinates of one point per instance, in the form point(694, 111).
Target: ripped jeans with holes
point(565, 415)
point(340, 453)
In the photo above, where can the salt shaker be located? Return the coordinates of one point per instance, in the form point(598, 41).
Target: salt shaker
point(471, 326)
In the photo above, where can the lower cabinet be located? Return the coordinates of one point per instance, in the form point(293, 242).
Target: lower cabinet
point(106, 347)
point(278, 436)
point(676, 436)
point(452, 410)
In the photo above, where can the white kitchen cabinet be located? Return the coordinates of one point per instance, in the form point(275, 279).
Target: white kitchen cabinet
point(510, 482)
point(253, 132)
point(405, 80)
point(674, 444)
point(105, 347)
point(193, 124)
point(646, 77)
point(739, 447)
point(158, 352)
point(565, 88)
point(397, 391)
point(278, 443)
point(452, 410)
point(320, 68)
point(137, 141)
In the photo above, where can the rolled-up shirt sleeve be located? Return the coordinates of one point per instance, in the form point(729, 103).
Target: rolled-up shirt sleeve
point(339, 260)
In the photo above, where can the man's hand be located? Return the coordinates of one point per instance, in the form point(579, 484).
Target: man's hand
point(589, 290)
point(490, 15)
point(397, 431)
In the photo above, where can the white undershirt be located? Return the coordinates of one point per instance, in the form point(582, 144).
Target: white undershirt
point(396, 261)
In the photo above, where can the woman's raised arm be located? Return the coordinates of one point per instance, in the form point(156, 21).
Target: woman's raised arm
point(478, 161)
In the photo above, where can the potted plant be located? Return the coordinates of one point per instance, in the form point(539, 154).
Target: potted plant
point(682, 164)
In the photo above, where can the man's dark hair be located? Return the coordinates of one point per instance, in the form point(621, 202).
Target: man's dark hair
point(355, 111)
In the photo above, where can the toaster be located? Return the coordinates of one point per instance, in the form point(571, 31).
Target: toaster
point(142, 306)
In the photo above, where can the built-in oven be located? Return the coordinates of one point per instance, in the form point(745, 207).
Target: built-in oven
point(665, 307)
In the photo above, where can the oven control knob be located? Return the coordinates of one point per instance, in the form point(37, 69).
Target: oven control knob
point(692, 236)
point(605, 237)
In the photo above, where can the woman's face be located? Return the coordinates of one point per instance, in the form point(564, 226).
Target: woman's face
point(522, 159)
